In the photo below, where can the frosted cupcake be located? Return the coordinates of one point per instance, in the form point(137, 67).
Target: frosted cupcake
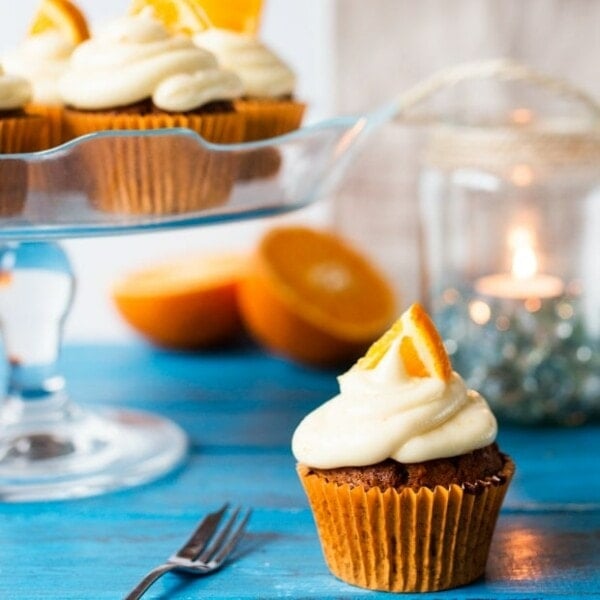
point(401, 469)
point(135, 76)
point(269, 83)
point(19, 132)
point(42, 58)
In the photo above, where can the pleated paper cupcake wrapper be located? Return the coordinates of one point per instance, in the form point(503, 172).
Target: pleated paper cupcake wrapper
point(405, 541)
point(157, 175)
point(22, 134)
point(265, 119)
point(17, 134)
point(261, 163)
point(54, 123)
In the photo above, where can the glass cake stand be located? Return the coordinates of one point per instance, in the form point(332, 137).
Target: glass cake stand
point(113, 183)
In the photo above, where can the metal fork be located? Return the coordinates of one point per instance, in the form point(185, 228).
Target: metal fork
point(205, 551)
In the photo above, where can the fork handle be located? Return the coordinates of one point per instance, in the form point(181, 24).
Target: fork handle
point(145, 583)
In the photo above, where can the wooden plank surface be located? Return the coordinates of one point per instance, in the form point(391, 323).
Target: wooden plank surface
point(239, 408)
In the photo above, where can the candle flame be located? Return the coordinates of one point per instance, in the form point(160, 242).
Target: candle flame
point(524, 260)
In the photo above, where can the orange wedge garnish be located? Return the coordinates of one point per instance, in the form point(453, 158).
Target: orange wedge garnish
point(237, 15)
point(178, 16)
point(62, 16)
point(311, 297)
point(421, 347)
point(183, 303)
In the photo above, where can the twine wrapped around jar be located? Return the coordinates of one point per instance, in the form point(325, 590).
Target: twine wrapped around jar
point(495, 149)
point(520, 139)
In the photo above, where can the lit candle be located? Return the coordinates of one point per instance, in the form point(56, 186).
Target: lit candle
point(524, 281)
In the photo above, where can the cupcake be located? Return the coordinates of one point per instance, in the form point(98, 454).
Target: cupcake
point(19, 132)
point(268, 97)
point(42, 58)
point(401, 468)
point(134, 75)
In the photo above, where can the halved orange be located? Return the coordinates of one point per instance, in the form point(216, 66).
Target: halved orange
point(62, 16)
point(178, 16)
point(183, 303)
point(311, 297)
point(421, 348)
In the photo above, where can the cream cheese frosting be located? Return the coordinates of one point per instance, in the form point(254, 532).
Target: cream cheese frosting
point(15, 91)
point(41, 59)
point(133, 59)
point(185, 92)
point(383, 413)
point(263, 74)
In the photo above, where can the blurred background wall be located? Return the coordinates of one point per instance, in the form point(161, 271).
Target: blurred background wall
point(350, 56)
point(383, 47)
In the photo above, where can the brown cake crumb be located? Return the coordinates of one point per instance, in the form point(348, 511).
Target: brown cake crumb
point(12, 113)
point(147, 107)
point(472, 471)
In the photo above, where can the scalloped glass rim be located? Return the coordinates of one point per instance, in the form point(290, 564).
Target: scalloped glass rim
point(70, 189)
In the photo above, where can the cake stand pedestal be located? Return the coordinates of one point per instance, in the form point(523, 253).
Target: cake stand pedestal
point(51, 448)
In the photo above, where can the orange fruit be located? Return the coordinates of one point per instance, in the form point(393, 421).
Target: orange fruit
point(183, 303)
point(178, 16)
point(421, 348)
point(237, 15)
point(309, 296)
point(62, 16)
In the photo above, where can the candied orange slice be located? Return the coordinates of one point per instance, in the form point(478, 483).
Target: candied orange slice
point(421, 347)
point(62, 16)
point(178, 16)
point(237, 15)
point(311, 297)
point(183, 303)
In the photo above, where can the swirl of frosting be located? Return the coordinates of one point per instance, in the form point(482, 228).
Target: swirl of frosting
point(382, 413)
point(41, 59)
point(263, 74)
point(184, 92)
point(127, 62)
point(15, 91)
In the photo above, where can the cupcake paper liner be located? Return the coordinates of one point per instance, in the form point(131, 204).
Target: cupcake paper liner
point(13, 187)
point(264, 119)
point(17, 134)
point(269, 118)
point(259, 164)
point(156, 175)
point(407, 541)
point(54, 123)
point(22, 134)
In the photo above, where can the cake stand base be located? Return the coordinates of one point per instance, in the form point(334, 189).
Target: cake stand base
point(85, 454)
point(50, 448)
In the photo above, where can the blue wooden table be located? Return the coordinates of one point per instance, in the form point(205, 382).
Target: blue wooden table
point(239, 408)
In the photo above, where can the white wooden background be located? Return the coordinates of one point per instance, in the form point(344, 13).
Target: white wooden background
point(385, 46)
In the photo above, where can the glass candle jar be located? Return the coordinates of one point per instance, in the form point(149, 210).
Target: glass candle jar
point(511, 265)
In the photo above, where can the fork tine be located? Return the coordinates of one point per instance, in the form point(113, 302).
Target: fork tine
point(204, 531)
point(215, 543)
point(234, 537)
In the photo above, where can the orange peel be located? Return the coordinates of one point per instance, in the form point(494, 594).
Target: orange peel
point(421, 348)
point(62, 16)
